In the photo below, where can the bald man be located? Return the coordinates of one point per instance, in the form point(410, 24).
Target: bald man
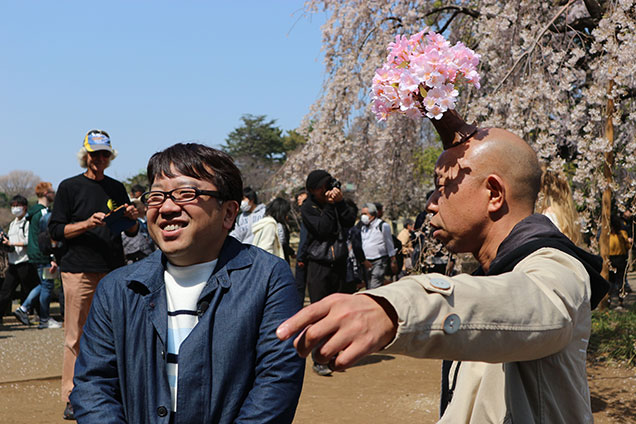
point(521, 322)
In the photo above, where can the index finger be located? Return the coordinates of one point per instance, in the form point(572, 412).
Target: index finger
point(306, 316)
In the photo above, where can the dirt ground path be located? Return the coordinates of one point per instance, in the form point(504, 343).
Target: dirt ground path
point(381, 389)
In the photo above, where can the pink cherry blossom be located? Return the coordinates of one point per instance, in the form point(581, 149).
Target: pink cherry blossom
point(426, 66)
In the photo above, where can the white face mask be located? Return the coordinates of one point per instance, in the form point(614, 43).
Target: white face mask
point(365, 219)
point(17, 210)
point(245, 206)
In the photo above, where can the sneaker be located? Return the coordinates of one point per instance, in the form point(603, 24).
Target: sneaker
point(51, 323)
point(321, 369)
point(22, 316)
point(68, 412)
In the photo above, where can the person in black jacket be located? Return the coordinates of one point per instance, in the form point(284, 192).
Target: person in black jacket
point(327, 219)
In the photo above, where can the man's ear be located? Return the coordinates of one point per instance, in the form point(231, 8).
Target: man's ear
point(496, 193)
point(231, 208)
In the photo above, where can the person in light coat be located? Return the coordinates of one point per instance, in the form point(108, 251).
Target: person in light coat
point(522, 322)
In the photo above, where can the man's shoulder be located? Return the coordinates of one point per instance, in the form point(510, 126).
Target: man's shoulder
point(143, 271)
point(554, 262)
point(263, 264)
point(75, 179)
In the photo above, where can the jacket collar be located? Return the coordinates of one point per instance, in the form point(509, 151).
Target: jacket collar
point(234, 255)
point(537, 231)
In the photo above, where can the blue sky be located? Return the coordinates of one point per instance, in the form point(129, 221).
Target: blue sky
point(151, 73)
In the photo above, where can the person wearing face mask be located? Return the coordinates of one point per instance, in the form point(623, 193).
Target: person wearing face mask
point(377, 244)
point(20, 271)
point(45, 263)
point(251, 213)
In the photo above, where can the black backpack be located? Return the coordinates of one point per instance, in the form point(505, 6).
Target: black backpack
point(45, 243)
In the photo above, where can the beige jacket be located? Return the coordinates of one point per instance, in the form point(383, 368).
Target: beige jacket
point(530, 328)
point(266, 236)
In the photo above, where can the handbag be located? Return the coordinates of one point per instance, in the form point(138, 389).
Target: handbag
point(328, 251)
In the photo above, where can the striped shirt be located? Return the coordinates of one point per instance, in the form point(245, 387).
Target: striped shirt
point(183, 288)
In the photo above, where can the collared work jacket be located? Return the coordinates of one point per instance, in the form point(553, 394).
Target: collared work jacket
point(232, 367)
point(529, 326)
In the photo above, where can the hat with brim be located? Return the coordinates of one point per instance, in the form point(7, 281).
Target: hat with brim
point(96, 140)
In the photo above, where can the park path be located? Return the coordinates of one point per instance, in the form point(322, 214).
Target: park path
point(380, 389)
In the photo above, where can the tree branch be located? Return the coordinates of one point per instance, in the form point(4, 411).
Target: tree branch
point(579, 25)
point(448, 22)
point(458, 9)
point(534, 44)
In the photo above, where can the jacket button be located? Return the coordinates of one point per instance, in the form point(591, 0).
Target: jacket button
point(440, 283)
point(162, 411)
point(451, 324)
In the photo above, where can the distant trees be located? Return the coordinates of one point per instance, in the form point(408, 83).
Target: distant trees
point(560, 74)
point(15, 182)
point(259, 148)
point(18, 182)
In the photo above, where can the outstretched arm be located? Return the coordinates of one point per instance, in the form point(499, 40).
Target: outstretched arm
point(350, 327)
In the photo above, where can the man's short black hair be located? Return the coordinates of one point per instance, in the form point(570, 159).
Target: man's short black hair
point(250, 194)
point(202, 162)
point(20, 200)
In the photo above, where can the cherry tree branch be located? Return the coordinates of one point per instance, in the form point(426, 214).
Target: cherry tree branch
point(534, 44)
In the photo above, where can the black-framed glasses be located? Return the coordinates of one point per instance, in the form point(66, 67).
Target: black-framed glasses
point(178, 195)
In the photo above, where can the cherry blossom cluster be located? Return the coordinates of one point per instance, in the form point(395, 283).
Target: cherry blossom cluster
point(420, 74)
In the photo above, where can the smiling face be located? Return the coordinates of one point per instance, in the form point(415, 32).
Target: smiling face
point(193, 232)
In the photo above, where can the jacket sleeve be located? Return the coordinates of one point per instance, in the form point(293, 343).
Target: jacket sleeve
point(346, 214)
point(526, 314)
point(279, 370)
point(388, 239)
point(320, 223)
point(96, 397)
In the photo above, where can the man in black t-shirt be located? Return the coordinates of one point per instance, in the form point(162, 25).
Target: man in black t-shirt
point(93, 247)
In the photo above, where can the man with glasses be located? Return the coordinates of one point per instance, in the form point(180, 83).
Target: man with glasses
point(187, 335)
point(93, 249)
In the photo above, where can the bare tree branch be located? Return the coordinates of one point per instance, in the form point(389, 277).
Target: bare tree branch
point(19, 182)
point(534, 44)
point(458, 9)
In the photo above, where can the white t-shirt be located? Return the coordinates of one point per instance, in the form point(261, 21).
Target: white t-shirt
point(184, 285)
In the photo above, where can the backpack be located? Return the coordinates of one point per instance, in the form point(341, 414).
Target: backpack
point(47, 246)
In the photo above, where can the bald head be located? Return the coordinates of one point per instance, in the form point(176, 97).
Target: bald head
point(500, 152)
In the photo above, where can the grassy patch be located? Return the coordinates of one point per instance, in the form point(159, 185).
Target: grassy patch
point(613, 336)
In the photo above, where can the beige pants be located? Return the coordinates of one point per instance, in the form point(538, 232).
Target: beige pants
point(78, 295)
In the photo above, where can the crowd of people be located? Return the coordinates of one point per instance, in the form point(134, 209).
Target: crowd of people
point(179, 301)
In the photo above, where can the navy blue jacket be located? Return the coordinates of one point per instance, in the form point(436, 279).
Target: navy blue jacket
point(232, 367)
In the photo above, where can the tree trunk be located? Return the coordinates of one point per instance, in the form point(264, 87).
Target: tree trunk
point(606, 205)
